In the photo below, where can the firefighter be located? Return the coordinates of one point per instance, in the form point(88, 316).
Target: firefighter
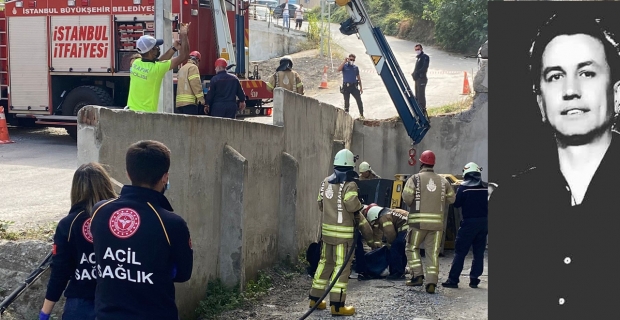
point(366, 172)
point(427, 194)
point(141, 246)
point(147, 72)
point(472, 197)
point(224, 91)
point(394, 226)
point(190, 97)
point(339, 203)
point(285, 77)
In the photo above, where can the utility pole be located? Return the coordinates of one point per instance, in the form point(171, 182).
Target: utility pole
point(321, 33)
point(329, 31)
point(163, 30)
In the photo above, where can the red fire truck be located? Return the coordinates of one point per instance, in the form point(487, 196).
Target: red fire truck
point(57, 56)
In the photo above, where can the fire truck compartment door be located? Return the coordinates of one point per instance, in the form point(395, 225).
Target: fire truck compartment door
point(28, 63)
point(81, 43)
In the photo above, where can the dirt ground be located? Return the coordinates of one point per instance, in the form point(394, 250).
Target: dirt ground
point(376, 299)
point(310, 67)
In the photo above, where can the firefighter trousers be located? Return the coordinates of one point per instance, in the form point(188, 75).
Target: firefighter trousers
point(432, 244)
point(332, 259)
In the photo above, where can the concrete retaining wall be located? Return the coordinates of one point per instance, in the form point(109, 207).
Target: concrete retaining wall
point(271, 42)
point(226, 180)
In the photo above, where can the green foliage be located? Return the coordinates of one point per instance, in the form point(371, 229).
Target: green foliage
point(220, 298)
point(4, 231)
point(460, 25)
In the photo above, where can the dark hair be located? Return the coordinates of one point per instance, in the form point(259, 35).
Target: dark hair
point(146, 162)
point(352, 55)
point(570, 23)
point(418, 45)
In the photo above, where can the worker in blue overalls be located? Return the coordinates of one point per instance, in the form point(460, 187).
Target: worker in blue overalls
point(472, 198)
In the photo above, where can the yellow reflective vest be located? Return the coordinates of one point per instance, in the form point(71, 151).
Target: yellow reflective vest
point(427, 194)
point(189, 87)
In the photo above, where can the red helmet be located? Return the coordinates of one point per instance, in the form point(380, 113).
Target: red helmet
point(428, 157)
point(221, 62)
point(195, 54)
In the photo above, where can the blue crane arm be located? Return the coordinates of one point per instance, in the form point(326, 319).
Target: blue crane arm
point(415, 119)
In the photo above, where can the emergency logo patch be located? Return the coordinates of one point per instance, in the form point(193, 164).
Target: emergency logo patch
point(124, 223)
point(86, 231)
point(285, 81)
point(329, 193)
point(431, 186)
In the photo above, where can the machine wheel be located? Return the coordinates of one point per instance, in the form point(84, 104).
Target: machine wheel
point(83, 96)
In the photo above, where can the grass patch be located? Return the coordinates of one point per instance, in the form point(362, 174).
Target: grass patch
point(43, 232)
point(453, 107)
point(221, 298)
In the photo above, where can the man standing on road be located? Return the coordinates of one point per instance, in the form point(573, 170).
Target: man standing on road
point(286, 15)
point(472, 197)
point(190, 97)
point(141, 246)
point(148, 72)
point(575, 73)
point(285, 77)
point(419, 75)
point(427, 194)
point(350, 80)
point(299, 17)
point(224, 91)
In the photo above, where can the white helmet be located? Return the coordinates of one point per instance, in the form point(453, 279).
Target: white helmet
point(364, 166)
point(344, 158)
point(471, 167)
point(373, 214)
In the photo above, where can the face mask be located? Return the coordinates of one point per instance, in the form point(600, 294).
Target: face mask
point(351, 63)
point(166, 187)
point(417, 52)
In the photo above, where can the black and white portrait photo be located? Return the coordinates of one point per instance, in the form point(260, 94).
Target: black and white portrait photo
point(555, 151)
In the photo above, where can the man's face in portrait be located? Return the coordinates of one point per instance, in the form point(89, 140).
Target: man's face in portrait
point(576, 93)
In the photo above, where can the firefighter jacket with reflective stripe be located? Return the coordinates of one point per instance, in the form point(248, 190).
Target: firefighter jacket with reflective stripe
point(73, 260)
point(339, 202)
point(141, 248)
point(288, 79)
point(427, 194)
point(391, 222)
point(189, 87)
point(373, 175)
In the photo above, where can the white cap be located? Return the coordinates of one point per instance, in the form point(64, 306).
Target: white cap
point(364, 166)
point(147, 43)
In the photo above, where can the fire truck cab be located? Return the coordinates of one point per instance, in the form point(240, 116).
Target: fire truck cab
point(57, 56)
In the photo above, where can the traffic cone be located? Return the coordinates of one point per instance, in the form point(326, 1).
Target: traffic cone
point(4, 129)
point(324, 80)
point(466, 89)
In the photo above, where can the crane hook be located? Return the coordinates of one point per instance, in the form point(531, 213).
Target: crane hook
point(412, 160)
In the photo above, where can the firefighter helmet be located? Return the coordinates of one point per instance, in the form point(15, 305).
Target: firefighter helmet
point(471, 167)
point(344, 158)
point(195, 54)
point(373, 214)
point(287, 58)
point(364, 166)
point(367, 207)
point(428, 157)
point(221, 62)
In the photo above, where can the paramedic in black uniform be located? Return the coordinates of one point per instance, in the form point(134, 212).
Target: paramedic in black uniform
point(559, 215)
point(141, 246)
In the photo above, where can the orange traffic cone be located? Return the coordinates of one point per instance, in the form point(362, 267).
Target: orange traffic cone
point(4, 130)
point(324, 80)
point(466, 89)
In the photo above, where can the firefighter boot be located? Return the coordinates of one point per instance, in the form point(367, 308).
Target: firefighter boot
point(430, 288)
point(415, 282)
point(338, 309)
point(321, 305)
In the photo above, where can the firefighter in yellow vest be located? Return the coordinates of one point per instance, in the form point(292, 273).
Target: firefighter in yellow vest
point(393, 224)
point(338, 200)
point(427, 194)
point(285, 77)
point(190, 96)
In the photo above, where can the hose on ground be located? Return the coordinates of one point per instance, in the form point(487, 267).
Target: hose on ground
point(346, 261)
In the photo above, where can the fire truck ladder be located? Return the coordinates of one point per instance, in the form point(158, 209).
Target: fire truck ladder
point(4, 59)
point(223, 38)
